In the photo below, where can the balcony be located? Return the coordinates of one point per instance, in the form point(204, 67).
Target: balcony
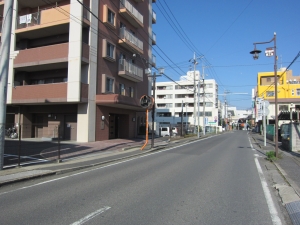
point(153, 61)
point(45, 18)
point(153, 38)
point(47, 55)
point(129, 41)
point(131, 14)
point(153, 16)
point(42, 93)
point(130, 71)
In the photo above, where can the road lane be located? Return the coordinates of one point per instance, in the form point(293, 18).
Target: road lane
point(212, 181)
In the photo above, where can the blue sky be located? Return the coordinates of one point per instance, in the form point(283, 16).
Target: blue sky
point(224, 32)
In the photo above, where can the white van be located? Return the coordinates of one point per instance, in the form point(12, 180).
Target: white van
point(165, 131)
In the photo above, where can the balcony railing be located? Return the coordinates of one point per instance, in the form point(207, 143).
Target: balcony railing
point(153, 61)
point(29, 20)
point(130, 71)
point(131, 13)
point(130, 40)
point(153, 38)
point(40, 93)
point(153, 16)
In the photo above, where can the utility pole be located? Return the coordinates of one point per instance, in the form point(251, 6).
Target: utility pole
point(181, 133)
point(203, 76)
point(194, 61)
point(4, 64)
point(198, 103)
point(153, 107)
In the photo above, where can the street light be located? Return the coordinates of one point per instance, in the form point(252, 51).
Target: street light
point(270, 52)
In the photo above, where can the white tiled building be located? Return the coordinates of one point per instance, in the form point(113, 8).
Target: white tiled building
point(173, 97)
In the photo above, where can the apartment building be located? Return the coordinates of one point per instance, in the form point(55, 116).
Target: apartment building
point(173, 97)
point(78, 67)
point(288, 91)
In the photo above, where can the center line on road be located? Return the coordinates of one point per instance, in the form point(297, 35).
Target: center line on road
point(91, 216)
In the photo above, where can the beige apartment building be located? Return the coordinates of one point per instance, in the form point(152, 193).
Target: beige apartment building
point(78, 68)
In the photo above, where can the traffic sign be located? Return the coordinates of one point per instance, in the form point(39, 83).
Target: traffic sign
point(269, 52)
point(266, 103)
point(146, 101)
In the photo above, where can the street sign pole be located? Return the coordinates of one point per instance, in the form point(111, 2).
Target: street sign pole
point(265, 131)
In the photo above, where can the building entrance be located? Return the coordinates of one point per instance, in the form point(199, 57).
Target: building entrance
point(114, 126)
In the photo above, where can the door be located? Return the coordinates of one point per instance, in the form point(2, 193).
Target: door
point(70, 127)
point(113, 126)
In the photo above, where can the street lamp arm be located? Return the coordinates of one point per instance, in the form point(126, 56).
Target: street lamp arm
point(266, 42)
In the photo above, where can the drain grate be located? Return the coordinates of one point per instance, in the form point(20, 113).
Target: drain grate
point(293, 209)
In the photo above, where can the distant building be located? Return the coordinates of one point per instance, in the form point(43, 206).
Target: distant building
point(176, 99)
point(288, 92)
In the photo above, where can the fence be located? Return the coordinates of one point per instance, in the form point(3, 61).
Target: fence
point(270, 132)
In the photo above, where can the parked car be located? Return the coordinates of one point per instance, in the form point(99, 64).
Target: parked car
point(165, 131)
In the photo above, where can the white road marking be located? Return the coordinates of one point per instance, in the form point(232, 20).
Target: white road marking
point(272, 209)
point(91, 216)
point(33, 160)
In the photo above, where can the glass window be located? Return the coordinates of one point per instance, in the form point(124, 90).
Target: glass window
point(298, 92)
point(110, 50)
point(270, 94)
point(111, 17)
point(109, 84)
point(283, 108)
point(121, 89)
point(131, 92)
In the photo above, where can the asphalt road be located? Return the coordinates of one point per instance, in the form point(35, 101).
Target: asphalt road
point(211, 181)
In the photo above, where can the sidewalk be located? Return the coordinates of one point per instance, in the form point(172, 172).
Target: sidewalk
point(288, 163)
point(79, 156)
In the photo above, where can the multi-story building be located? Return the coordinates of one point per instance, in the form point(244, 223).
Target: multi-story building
point(288, 91)
point(79, 65)
point(173, 98)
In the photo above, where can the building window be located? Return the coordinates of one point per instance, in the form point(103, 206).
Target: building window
point(208, 104)
point(108, 84)
point(209, 85)
point(270, 94)
point(268, 79)
point(131, 92)
point(121, 89)
point(293, 92)
point(109, 16)
point(298, 92)
point(164, 114)
point(109, 50)
point(283, 108)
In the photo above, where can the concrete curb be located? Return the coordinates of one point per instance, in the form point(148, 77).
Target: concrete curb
point(287, 194)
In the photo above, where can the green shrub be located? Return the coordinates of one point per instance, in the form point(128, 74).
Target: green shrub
point(271, 155)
